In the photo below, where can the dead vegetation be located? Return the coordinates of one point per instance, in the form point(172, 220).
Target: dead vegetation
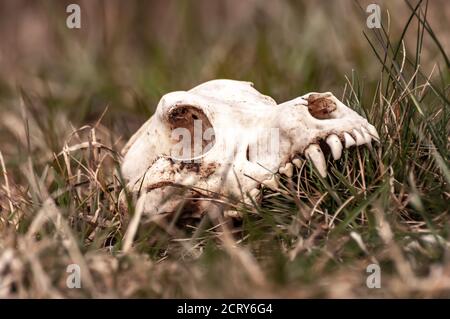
point(63, 123)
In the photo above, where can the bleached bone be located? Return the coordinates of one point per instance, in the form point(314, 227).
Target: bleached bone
point(225, 139)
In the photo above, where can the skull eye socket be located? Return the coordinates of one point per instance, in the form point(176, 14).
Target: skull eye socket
point(191, 131)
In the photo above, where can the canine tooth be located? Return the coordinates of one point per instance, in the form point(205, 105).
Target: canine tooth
point(373, 132)
point(335, 145)
point(314, 153)
point(359, 138)
point(271, 183)
point(287, 170)
point(366, 135)
point(297, 162)
point(349, 141)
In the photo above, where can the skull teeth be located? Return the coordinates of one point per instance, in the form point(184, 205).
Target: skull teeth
point(360, 140)
point(373, 132)
point(287, 170)
point(366, 135)
point(349, 140)
point(297, 162)
point(314, 153)
point(271, 183)
point(233, 214)
point(335, 145)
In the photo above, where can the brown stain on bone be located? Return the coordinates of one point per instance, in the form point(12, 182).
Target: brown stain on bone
point(184, 116)
point(204, 170)
point(190, 204)
point(321, 105)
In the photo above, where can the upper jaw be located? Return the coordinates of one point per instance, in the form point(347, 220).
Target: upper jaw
point(333, 142)
point(311, 133)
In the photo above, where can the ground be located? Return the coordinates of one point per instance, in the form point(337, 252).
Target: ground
point(70, 99)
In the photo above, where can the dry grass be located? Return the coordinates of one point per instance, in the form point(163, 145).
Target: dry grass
point(70, 99)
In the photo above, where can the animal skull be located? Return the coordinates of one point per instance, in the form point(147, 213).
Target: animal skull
point(225, 139)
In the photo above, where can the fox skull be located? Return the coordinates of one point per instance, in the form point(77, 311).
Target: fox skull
point(224, 139)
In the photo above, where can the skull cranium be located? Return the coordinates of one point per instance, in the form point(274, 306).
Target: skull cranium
point(224, 138)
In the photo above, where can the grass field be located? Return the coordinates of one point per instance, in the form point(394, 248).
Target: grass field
point(70, 99)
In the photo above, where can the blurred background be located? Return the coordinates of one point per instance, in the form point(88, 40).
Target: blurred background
point(62, 88)
point(127, 54)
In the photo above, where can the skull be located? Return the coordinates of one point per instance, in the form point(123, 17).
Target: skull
point(225, 140)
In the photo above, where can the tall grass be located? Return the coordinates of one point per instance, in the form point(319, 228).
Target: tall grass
point(60, 154)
